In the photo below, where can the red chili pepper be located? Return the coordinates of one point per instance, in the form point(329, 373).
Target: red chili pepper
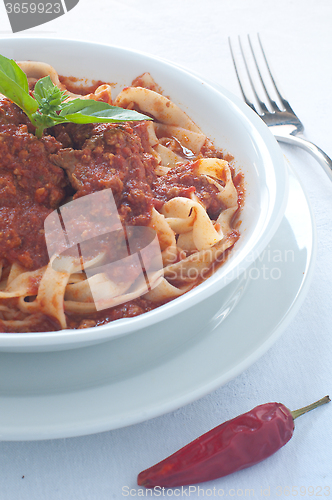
point(232, 446)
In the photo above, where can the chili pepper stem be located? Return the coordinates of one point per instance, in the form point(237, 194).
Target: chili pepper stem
point(305, 409)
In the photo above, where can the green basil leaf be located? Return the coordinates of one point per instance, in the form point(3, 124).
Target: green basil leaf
point(90, 111)
point(14, 85)
point(49, 107)
point(46, 90)
point(42, 121)
point(13, 71)
point(50, 98)
point(43, 88)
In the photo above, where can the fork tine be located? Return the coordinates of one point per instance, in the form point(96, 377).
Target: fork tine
point(260, 106)
point(258, 99)
point(285, 124)
point(244, 93)
point(272, 102)
point(282, 99)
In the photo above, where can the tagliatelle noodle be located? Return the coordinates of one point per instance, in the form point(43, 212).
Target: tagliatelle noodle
point(106, 289)
point(190, 140)
point(167, 158)
point(51, 293)
point(198, 264)
point(78, 292)
point(165, 234)
point(190, 241)
point(160, 107)
point(225, 219)
point(153, 139)
point(214, 168)
point(184, 215)
point(36, 70)
point(186, 242)
point(21, 284)
point(15, 271)
point(166, 291)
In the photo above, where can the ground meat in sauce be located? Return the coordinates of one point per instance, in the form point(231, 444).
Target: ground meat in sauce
point(182, 181)
point(36, 176)
point(30, 188)
point(112, 156)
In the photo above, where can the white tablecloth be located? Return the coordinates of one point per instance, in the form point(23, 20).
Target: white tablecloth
point(297, 370)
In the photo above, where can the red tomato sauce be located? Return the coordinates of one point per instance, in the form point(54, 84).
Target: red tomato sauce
point(38, 175)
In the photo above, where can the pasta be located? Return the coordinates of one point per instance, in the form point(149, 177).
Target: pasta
point(104, 221)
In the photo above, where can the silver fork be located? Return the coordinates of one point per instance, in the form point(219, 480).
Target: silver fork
point(278, 116)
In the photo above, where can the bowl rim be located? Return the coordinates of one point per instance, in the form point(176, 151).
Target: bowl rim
point(260, 133)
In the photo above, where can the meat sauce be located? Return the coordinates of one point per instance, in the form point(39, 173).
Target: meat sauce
point(31, 186)
point(38, 175)
point(80, 86)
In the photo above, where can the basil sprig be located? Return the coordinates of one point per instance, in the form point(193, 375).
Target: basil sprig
point(49, 105)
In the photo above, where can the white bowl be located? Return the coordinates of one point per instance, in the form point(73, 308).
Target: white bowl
point(229, 123)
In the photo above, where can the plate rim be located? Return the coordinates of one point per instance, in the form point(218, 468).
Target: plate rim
point(105, 423)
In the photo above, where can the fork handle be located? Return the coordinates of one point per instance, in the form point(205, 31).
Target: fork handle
point(311, 148)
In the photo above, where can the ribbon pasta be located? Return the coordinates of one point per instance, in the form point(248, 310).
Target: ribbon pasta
point(190, 240)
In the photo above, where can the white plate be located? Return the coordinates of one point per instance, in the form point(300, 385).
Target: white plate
point(137, 377)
